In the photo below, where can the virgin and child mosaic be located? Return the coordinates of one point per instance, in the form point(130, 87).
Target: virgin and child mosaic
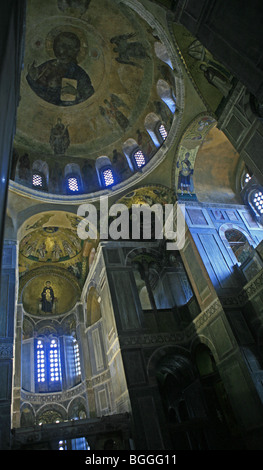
point(47, 298)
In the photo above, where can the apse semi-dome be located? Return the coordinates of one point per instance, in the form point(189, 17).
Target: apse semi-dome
point(96, 75)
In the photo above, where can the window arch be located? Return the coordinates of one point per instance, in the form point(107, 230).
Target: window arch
point(73, 180)
point(156, 129)
point(51, 415)
point(238, 240)
point(166, 93)
point(134, 154)
point(162, 53)
point(40, 175)
point(107, 177)
point(47, 364)
point(105, 172)
point(73, 184)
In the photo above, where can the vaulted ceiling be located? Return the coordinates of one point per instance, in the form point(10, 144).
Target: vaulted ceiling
point(92, 74)
point(95, 73)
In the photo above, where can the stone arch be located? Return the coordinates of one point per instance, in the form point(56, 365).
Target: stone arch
point(77, 408)
point(50, 412)
point(175, 377)
point(202, 339)
point(46, 328)
point(28, 327)
point(247, 243)
point(69, 323)
point(159, 354)
point(223, 228)
point(147, 253)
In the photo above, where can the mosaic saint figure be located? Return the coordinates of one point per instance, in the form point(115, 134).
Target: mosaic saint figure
point(128, 50)
point(61, 81)
point(59, 138)
point(185, 173)
point(47, 298)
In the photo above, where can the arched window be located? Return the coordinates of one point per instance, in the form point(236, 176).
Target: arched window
point(135, 156)
point(50, 416)
point(108, 178)
point(38, 180)
point(48, 364)
point(238, 243)
point(73, 180)
point(166, 94)
point(76, 358)
point(156, 129)
point(106, 175)
point(54, 361)
point(73, 184)
point(41, 362)
point(139, 158)
point(162, 131)
point(40, 175)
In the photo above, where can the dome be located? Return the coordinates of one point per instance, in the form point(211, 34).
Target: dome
point(99, 92)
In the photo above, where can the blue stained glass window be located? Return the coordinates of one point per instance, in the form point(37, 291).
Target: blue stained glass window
point(163, 131)
point(41, 362)
point(257, 201)
point(139, 158)
point(76, 357)
point(54, 361)
point(108, 177)
point(73, 184)
point(48, 365)
point(37, 180)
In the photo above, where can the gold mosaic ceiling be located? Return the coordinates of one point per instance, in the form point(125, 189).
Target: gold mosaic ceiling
point(51, 251)
point(89, 81)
